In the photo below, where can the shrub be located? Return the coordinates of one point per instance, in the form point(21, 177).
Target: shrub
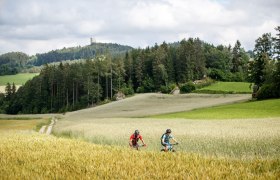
point(187, 87)
point(167, 89)
point(218, 74)
point(127, 90)
point(203, 83)
point(140, 89)
point(268, 91)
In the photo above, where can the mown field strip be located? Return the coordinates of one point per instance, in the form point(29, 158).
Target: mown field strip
point(142, 105)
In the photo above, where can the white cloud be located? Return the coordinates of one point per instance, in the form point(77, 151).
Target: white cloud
point(35, 26)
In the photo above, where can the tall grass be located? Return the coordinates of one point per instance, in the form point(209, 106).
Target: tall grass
point(29, 124)
point(25, 156)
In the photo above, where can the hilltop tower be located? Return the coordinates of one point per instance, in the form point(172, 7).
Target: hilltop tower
point(92, 40)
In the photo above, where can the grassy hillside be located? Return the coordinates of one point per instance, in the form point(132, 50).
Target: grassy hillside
point(226, 87)
point(142, 105)
point(245, 110)
point(18, 79)
point(56, 158)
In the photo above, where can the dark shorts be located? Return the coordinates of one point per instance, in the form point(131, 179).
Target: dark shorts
point(169, 146)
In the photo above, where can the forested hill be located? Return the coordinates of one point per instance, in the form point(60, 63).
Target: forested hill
point(12, 62)
point(15, 62)
point(80, 53)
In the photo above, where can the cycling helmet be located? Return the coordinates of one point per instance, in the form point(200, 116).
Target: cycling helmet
point(168, 130)
point(136, 132)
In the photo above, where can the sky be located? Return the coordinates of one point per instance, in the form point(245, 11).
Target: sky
point(37, 26)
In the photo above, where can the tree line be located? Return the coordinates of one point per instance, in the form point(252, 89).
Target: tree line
point(67, 87)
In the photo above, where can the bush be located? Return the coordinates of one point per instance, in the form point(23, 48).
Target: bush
point(218, 74)
point(187, 87)
point(221, 75)
point(140, 89)
point(167, 89)
point(127, 90)
point(203, 83)
point(268, 91)
point(237, 77)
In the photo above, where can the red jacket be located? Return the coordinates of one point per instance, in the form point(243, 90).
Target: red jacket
point(135, 139)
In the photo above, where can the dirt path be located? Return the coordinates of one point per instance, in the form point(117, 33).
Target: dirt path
point(48, 129)
point(152, 103)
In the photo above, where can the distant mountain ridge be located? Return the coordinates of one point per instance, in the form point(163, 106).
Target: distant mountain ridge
point(15, 62)
point(79, 52)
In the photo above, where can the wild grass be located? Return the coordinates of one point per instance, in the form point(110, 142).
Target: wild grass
point(33, 156)
point(236, 138)
point(18, 79)
point(10, 124)
point(19, 118)
point(244, 110)
point(226, 87)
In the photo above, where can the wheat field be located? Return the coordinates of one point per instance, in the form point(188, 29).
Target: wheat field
point(33, 156)
point(239, 138)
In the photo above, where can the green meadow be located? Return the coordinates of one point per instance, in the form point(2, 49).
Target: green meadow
point(245, 110)
point(18, 79)
point(226, 87)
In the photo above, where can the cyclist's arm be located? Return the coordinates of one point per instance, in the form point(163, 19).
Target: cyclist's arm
point(173, 139)
point(143, 142)
point(130, 141)
point(141, 138)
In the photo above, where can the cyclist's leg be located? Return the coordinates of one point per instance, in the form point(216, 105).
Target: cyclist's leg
point(169, 147)
point(136, 146)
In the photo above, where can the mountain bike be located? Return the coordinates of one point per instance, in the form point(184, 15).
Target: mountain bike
point(170, 148)
point(137, 147)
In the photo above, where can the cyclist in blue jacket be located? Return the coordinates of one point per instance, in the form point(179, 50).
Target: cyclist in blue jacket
point(165, 140)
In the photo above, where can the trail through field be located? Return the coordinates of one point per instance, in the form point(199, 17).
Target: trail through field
point(48, 129)
point(142, 105)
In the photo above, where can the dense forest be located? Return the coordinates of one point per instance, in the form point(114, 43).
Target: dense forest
point(15, 62)
point(67, 87)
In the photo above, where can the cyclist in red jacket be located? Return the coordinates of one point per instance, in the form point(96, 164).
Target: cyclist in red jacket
point(134, 138)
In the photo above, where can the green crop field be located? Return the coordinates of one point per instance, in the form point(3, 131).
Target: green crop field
point(245, 110)
point(227, 87)
point(18, 79)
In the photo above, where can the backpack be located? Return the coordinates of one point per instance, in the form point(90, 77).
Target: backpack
point(161, 138)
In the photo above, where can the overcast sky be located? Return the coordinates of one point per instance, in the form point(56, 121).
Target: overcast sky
point(35, 26)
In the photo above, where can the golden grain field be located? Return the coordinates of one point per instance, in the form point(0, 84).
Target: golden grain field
point(239, 138)
point(34, 156)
